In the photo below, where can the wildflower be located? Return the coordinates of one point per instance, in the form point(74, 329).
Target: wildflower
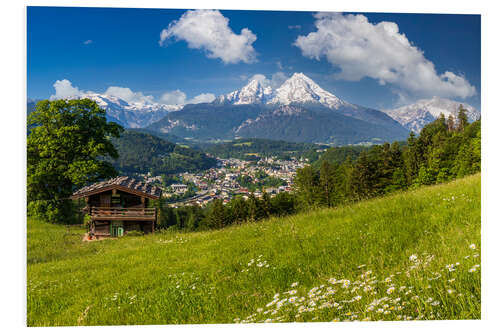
point(346, 284)
point(450, 267)
point(292, 292)
point(450, 291)
point(435, 303)
point(413, 257)
point(271, 303)
point(390, 290)
point(472, 246)
point(259, 310)
point(295, 284)
point(292, 299)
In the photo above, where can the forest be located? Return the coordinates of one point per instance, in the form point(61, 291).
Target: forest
point(141, 152)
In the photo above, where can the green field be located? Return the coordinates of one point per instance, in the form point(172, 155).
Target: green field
point(413, 255)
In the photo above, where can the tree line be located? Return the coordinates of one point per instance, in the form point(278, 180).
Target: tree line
point(218, 215)
point(445, 149)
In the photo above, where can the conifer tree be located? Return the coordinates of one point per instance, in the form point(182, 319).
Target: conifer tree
point(462, 118)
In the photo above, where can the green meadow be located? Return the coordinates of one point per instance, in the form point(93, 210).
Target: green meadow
point(408, 256)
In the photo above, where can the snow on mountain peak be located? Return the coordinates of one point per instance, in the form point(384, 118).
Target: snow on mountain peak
point(298, 89)
point(301, 89)
point(252, 93)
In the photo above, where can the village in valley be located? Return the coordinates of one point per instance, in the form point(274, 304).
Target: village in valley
point(230, 178)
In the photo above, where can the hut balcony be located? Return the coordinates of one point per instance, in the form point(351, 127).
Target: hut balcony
point(122, 214)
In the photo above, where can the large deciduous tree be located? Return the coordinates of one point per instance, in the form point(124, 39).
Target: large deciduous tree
point(65, 149)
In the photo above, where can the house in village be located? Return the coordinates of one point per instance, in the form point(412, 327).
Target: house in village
point(119, 205)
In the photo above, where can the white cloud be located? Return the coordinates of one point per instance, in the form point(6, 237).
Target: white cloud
point(298, 26)
point(64, 89)
point(202, 98)
point(379, 51)
point(209, 30)
point(179, 97)
point(173, 97)
point(276, 79)
point(88, 41)
point(260, 78)
point(128, 95)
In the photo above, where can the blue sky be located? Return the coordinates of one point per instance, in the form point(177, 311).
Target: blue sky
point(367, 62)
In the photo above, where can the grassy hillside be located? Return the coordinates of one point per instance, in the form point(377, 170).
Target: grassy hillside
point(414, 255)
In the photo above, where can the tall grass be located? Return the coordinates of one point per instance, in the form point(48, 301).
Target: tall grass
point(413, 255)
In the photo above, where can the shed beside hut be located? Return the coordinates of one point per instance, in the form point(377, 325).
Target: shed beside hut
point(119, 205)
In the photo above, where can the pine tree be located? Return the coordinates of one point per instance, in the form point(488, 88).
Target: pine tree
point(306, 183)
point(327, 182)
point(451, 123)
point(266, 205)
point(217, 217)
point(462, 118)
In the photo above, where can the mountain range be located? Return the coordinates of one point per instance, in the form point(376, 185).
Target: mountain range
point(415, 116)
point(299, 110)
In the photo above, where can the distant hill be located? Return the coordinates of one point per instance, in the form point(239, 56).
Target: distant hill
point(142, 153)
point(165, 136)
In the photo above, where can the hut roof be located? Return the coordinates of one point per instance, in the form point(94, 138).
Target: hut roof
point(123, 183)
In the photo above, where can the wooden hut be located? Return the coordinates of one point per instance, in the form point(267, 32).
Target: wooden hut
point(119, 205)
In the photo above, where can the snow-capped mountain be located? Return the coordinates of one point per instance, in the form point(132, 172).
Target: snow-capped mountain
point(415, 116)
point(130, 115)
point(298, 89)
point(253, 93)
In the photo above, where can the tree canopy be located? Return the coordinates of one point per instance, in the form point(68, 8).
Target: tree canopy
point(65, 149)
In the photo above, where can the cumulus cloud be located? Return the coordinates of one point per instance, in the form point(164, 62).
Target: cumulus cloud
point(275, 81)
point(128, 95)
point(379, 51)
point(173, 97)
point(179, 97)
point(64, 89)
point(202, 98)
point(209, 30)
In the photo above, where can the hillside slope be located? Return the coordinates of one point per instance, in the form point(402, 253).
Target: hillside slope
point(414, 255)
point(142, 152)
